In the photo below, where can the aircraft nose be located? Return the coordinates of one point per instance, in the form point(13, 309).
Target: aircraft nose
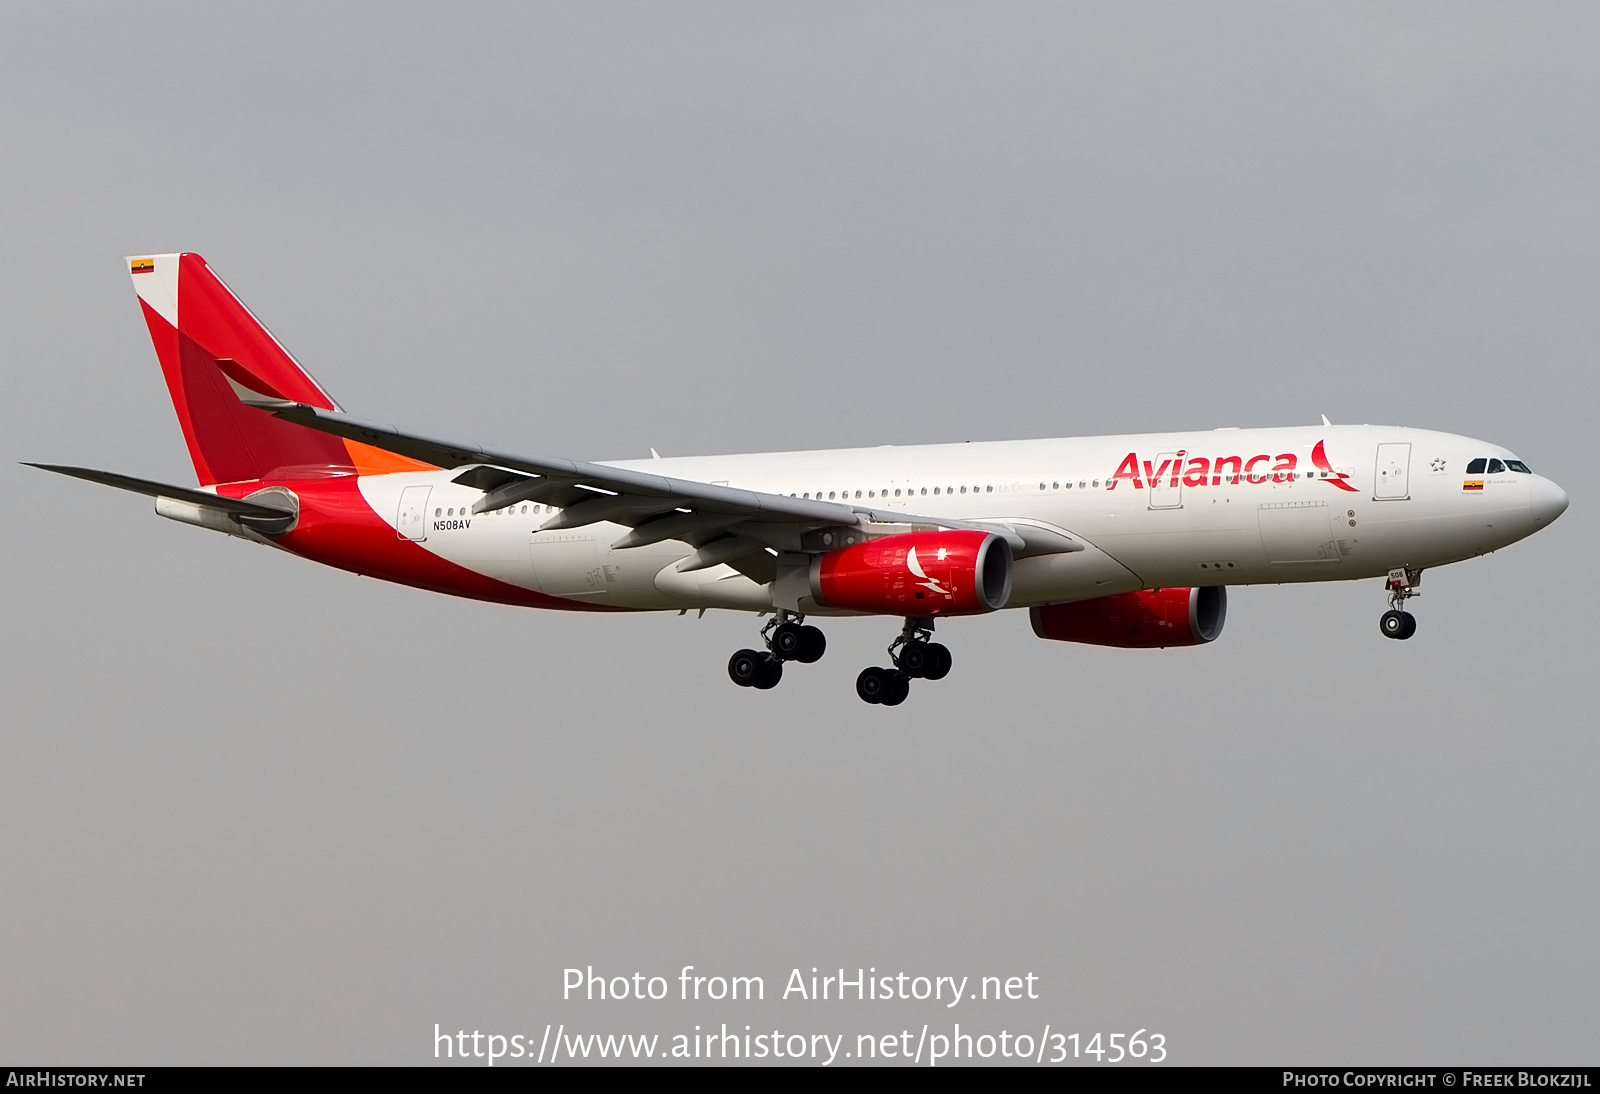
point(1546, 500)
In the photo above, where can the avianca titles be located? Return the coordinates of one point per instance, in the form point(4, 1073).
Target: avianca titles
point(1125, 541)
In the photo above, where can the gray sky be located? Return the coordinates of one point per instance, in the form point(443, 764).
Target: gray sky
point(256, 811)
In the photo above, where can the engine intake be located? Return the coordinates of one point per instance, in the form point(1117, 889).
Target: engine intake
point(1148, 619)
point(917, 573)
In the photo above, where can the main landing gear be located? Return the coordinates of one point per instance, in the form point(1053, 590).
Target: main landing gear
point(914, 657)
point(1402, 586)
point(787, 638)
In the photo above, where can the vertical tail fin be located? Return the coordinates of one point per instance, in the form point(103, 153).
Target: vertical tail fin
point(195, 321)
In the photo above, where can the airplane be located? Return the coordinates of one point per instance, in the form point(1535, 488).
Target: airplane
point(1124, 541)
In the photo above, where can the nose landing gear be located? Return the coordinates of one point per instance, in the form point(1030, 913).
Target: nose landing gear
point(787, 638)
point(914, 657)
point(1402, 586)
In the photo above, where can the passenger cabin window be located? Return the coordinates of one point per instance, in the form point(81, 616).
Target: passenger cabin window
point(1519, 467)
point(1496, 467)
point(1476, 466)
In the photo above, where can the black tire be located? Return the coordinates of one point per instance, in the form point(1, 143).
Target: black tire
point(1397, 624)
point(771, 673)
point(899, 688)
point(813, 645)
point(873, 684)
point(788, 641)
point(744, 667)
point(914, 659)
point(939, 661)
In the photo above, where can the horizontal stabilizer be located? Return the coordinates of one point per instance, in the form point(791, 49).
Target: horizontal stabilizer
point(162, 490)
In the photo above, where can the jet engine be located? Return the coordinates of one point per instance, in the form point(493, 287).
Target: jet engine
point(1146, 619)
point(917, 573)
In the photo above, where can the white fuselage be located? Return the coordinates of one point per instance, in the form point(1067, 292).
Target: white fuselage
point(1240, 506)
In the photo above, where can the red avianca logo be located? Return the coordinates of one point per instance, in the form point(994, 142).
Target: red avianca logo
point(1214, 471)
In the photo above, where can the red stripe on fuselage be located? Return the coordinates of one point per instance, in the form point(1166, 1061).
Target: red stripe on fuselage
point(338, 528)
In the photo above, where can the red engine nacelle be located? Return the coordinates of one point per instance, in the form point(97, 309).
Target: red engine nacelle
point(1143, 620)
point(917, 573)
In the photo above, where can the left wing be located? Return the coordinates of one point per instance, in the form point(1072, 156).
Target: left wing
point(586, 492)
point(654, 507)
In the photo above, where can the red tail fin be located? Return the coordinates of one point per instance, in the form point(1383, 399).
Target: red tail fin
point(194, 322)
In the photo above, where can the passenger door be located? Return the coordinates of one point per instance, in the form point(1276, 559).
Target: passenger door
point(1391, 479)
point(1163, 494)
point(412, 520)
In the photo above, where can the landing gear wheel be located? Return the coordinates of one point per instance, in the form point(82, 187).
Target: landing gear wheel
point(745, 668)
point(787, 640)
point(916, 658)
point(1398, 624)
point(915, 655)
point(899, 688)
point(813, 644)
point(771, 673)
point(873, 684)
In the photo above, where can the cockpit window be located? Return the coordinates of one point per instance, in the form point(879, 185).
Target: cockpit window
point(1476, 466)
point(1496, 467)
point(1519, 467)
